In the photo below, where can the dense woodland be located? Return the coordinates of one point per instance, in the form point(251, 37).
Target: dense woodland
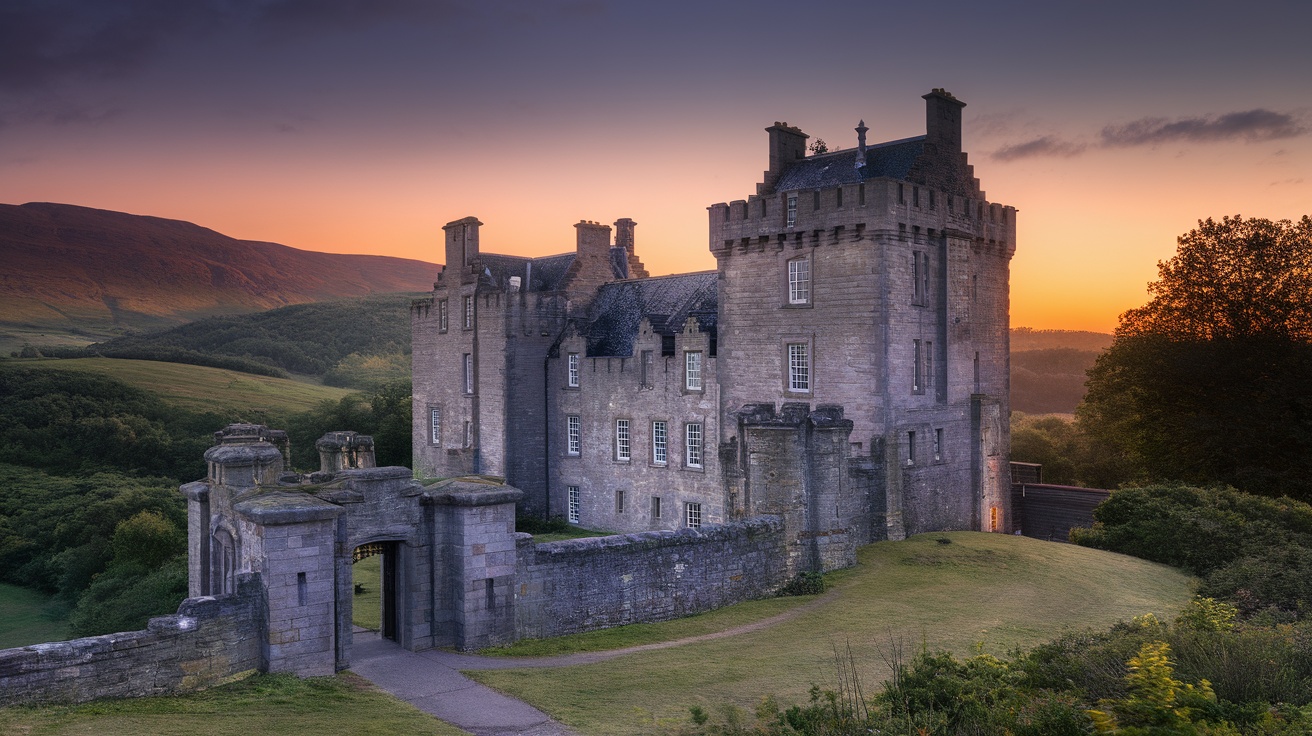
point(91, 511)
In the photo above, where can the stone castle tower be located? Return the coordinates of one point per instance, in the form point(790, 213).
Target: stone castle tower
point(845, 366)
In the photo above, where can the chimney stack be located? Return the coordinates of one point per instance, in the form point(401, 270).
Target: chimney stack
point(461, 244)
point(787, 145)
point(943, 120)
point(624, 234)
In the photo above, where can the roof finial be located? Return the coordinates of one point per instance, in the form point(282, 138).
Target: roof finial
point(861, 143)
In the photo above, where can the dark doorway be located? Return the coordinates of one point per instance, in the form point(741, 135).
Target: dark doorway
point(376, 589)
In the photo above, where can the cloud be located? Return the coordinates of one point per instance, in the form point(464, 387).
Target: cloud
point(45, 42)
point(1047, 145)
point(1249, 125)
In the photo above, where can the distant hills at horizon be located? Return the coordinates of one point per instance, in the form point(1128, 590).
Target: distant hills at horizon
point(73, 267)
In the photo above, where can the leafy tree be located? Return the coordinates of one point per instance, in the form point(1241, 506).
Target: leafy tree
point(1211, 381)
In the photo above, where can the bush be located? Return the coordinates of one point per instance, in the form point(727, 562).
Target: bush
point(806, 583)
point(1252, 550)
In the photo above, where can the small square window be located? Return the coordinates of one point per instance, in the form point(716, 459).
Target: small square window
point(693, 515)
point(799, 281)
point(572, 368)
point(692, 370)
point(572, 494)
point(573, 435)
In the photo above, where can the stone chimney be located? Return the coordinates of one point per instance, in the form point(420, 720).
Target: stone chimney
point(787, 145)
point(943, 120)
point(461, 244)
point(624, 234)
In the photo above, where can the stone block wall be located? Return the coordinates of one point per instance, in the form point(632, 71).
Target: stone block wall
point(585, 584)
point(208, 641)
point(616, 493)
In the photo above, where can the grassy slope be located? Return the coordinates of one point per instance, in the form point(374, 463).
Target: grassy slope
point(1001, 591)
point(199, 387)
point(367, 607)
point(264, 704)
point(24, 619)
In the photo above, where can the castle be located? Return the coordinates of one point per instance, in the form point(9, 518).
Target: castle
point(844, 367)
point(840, 378)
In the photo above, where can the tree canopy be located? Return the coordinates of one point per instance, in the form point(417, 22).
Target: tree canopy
point(1211, 381)
point(1233, 279)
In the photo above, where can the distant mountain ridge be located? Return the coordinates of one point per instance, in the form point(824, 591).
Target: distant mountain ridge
point(71, 265)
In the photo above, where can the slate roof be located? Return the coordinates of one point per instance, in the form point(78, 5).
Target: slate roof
point(544, 273)
point(666, 302)
point(893, 159)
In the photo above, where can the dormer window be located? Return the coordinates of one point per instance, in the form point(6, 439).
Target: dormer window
point(792, 210)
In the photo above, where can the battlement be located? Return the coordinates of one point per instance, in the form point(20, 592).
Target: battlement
point(875, 208)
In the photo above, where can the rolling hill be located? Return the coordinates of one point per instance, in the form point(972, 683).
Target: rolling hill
point(77, 268)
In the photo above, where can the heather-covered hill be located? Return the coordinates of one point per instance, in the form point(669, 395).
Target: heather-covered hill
point(76, 267)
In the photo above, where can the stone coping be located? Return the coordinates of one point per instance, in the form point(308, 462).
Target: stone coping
point(472, 492)
point(282, 507)
point(243, 454)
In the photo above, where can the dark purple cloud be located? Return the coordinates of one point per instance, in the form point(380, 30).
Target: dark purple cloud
point(1047, 145)
point(43, 42)
point(1249, 125)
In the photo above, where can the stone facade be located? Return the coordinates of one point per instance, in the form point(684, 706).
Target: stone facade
point(846, 365)
point(584, 584)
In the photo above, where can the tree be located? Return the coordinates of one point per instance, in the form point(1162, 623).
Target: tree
point(1211, 381)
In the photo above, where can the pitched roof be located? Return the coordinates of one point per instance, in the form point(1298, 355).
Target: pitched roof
point(666, 302)
point(893, 159)
point(538, 274)
point(544, 273)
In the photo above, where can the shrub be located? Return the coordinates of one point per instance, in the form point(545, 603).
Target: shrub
point(806, 583)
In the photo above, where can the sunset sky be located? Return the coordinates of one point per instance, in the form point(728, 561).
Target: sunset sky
point(363, 126)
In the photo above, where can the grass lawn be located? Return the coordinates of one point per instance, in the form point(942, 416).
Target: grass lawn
point(367, 607)
point(201, 388)
point(981, 589)
point(25, 618)
point(263, 704)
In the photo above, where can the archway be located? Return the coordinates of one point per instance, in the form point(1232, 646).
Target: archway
point(376, 589)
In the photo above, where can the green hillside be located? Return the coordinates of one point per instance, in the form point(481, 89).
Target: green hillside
point(307, 339)
point(26, 618)
point(201, 388)
point(981, 589)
